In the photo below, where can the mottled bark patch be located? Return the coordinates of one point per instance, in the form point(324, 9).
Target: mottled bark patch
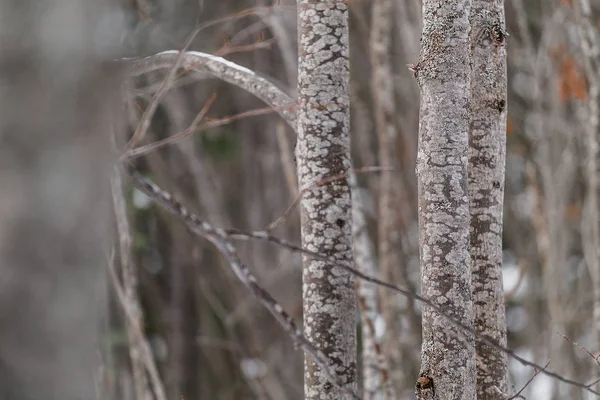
point(443, 72)
point(323, 150)
point(487, 150)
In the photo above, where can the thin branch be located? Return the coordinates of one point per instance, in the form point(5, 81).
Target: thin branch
point(212, 123)
point(589, 353)
point(594, 382)
point(219, 239)
point(321, 182)
point(263, 235)
point(518, 394)
point(172, 139)
point(146, 119)
point(265, 44)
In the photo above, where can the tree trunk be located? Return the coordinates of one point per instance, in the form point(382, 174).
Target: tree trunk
point(448, 355)
point(487, 153)
point(323, 150)
point(377, 384)
point(397, 317)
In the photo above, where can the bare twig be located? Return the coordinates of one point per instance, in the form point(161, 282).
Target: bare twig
point(225, 50)
point(219, 239)
point(518, 394)
point(321, 182)
point(161, 143)
point(144, 124)
point(174, 64)
point(212, 123)
point(589, 353)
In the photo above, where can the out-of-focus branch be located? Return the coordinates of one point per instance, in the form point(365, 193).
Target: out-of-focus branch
point(146, 353)
point(223, 69)
point(321, 182)
point(130, 289)
point(212, 123)
point(518, 394)
point(589, 353)
point(191, 129)
point(142, 127)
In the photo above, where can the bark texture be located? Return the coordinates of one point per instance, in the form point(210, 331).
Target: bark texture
point(487, 154)
point(447, 356)
point(323, 149)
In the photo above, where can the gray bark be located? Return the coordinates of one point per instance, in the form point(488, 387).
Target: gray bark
point(591, 50)
point(447, 356)
point(323, 149)
point(487, 154)
point(56, 99)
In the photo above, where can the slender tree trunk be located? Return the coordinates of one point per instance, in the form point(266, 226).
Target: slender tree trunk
point(383, 96)
point(448, 355)
point(487, 153)
point(388, 237)
point(377, 384)
point(323, 149)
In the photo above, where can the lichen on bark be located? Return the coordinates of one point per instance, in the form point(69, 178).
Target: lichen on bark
point(443, 73)
point(323, 149)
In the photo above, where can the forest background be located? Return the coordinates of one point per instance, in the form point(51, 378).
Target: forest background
point(234, 167)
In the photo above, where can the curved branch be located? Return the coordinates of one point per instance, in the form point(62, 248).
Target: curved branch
point(223, 69)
